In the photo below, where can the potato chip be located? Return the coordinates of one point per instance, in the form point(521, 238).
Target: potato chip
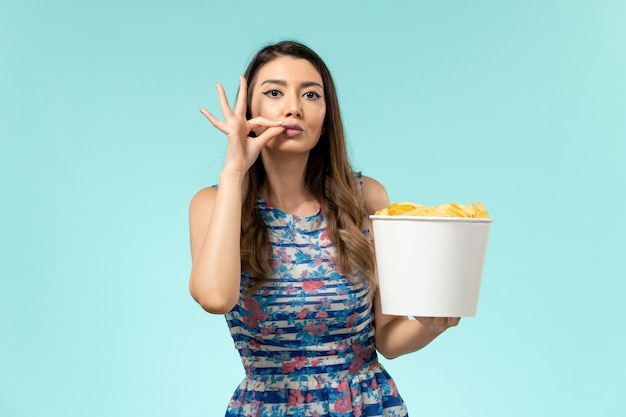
point(445, 210)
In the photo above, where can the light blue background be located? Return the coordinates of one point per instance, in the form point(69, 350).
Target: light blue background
point(521, 105)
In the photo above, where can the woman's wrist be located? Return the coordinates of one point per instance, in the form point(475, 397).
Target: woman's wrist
point(232, 175)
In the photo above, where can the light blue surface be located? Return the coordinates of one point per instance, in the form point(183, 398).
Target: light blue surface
point(520, 105)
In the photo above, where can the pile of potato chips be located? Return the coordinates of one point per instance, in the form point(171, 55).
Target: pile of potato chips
point(445, 210)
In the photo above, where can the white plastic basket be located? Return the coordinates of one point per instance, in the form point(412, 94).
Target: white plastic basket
point(430, 266)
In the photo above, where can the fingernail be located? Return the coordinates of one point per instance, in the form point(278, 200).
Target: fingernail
point(280, 121)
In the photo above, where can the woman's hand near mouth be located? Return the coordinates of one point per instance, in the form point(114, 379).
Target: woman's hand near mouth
point(243, 149)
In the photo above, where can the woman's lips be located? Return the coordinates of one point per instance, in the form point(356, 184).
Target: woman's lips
point(292, 129)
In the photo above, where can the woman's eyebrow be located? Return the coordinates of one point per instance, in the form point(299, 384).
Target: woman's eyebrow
point(279, 82)
point(303, 84)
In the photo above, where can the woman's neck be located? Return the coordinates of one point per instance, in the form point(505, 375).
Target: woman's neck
point(285, 188)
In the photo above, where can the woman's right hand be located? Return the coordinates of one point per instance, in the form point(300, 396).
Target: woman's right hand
point(242, 149)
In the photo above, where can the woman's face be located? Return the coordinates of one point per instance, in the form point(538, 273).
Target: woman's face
point(290, 89)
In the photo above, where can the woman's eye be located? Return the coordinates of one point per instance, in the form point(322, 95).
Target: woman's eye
point(272, 93)
point(312, 95)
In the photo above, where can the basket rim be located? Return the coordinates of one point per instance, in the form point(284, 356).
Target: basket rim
point(432, 218)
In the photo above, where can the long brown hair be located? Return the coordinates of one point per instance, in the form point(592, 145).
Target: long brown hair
point(328, 176)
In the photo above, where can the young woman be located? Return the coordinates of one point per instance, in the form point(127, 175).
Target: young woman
point(282, 248)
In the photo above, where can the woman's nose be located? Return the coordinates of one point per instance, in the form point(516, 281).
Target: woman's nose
point(293, 108)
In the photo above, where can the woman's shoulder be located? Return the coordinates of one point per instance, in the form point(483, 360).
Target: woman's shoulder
point(375, 194)
point(203, 199)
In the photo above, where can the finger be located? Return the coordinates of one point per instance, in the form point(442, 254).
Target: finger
point(439, 323)
point(209, 116)
point(225, 106)
point(242, 97)
point(427, 322)
point(270, 133)
point(214, 120)
point(447, 322)
point(263, 122)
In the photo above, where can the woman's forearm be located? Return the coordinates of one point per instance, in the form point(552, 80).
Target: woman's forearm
point(216, 269)
point(401, 336)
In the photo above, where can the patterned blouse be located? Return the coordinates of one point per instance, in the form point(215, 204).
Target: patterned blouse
point(306, 337)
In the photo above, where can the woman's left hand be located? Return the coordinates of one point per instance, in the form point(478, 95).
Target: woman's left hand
point(438, 324)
